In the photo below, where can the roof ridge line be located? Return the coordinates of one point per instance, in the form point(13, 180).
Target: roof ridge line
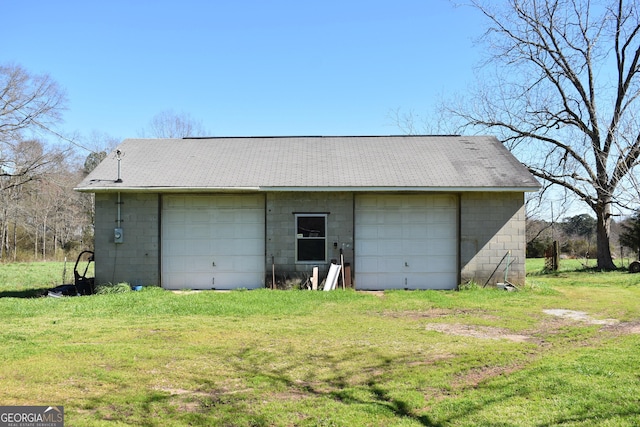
point(322, 136)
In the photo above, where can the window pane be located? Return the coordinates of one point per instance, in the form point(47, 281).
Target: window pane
point(311, 250)
point(311, 226)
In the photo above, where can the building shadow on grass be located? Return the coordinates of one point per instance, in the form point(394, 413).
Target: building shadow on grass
point(25, 293)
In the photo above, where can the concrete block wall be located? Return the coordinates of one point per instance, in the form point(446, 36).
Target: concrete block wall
point(281, 230)
point(137, 259)
point(491, 224)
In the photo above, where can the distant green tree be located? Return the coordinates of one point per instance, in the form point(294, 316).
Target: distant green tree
point(580, 225)
point(92, 160)
point(630, 235)
point(579, 231)
point(536, 248)
point(539, 237)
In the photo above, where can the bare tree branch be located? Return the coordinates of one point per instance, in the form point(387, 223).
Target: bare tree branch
point(27, 100)
point(556, 100)
point(168, 124)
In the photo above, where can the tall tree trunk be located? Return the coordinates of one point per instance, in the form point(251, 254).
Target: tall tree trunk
point(35, 244)
point(5, 242)
point(44, 238)
point(15, 240)
point(3, 232)
point(55, 237)
point(603, 234)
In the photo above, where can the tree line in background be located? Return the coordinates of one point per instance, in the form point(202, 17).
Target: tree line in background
point(576, 237)
point(42, 217)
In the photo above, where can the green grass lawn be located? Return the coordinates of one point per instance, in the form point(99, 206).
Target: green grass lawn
point(342, 358)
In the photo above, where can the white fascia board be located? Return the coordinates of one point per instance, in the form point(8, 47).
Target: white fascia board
point(403, 189)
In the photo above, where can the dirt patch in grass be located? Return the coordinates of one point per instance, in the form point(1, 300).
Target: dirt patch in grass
point(196, 400)
point(579, 316)
point(483, 332)
point(438, 313)
point(379, 294)
point(609, 325)
point(474, 377)
point(560, 318)
point(459, 329)
point(624, 328)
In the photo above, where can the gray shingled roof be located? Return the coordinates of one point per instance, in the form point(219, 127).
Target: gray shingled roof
point(363, 163)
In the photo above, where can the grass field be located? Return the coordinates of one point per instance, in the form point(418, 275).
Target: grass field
point(342, 358)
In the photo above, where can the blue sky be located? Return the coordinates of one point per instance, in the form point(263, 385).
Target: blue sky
point(245, 67)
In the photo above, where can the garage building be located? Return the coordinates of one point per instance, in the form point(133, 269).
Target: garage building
point(405, 212)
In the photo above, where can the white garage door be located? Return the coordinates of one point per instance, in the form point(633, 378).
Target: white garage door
point(406, 242)
point(212, 241)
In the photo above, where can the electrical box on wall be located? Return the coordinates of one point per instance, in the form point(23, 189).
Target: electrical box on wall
point(117, 235)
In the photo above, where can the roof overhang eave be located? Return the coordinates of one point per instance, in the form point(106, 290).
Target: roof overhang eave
point(125, 189)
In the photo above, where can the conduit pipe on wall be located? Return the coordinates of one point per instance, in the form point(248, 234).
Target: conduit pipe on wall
point(117, 232)
point(119, 218)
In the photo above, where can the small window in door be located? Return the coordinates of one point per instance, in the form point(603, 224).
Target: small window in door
point(311, 238)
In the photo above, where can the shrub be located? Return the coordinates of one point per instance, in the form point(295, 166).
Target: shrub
point(110, 288)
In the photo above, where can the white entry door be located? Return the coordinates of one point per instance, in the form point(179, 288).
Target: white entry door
point(213, 241)
point(406, 242)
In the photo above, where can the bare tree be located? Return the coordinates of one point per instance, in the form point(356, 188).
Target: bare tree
point(411, 123)
point(28, 104)
point(26, 161)
point(168, 124)
point(563, 95)
point(27, 101)
point(9, 200)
